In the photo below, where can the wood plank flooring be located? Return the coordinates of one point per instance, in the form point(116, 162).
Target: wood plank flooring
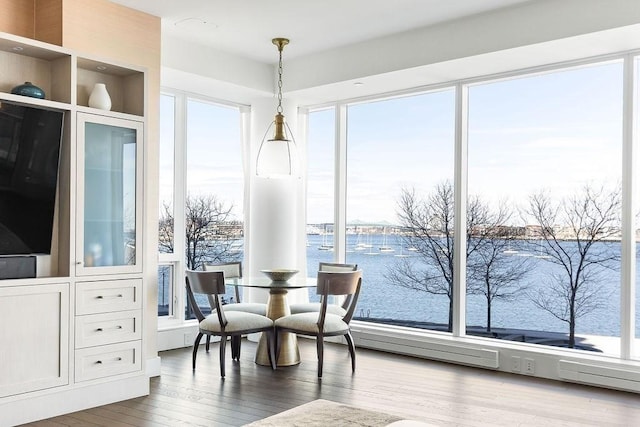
point(437, 393)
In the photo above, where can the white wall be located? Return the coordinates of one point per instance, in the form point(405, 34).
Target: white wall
point(533, 33)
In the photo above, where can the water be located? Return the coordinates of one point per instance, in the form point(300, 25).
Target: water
point(380, 299)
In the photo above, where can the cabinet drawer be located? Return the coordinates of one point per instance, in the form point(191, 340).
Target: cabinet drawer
point(107, 360)
point(109, 295)
point(108, 328)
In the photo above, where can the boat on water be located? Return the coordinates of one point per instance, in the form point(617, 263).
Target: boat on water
point(385, 248)
point(325, 246)
point(363, 246)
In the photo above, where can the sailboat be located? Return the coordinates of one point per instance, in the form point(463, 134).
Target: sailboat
point(385, 248)
point(324, 246)
point(402, 254)
point(360, 246)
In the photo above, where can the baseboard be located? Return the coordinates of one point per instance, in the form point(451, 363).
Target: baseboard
point(588, 373)
point(152, 367)
point(428, 348)
point(32, 407)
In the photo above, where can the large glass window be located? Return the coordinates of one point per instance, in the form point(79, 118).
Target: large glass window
point(201, 207)
point(400, 160)
point(320, 189)
point(544, 209)
point(214, 196)
point(167, 165)
point(636, 207)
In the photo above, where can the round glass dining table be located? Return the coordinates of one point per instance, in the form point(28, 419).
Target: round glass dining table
point(277, 306)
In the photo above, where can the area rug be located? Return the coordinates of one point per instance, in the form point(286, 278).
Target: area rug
point(323, 413)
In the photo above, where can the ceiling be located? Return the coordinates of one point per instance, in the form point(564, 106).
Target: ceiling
point(245, 27)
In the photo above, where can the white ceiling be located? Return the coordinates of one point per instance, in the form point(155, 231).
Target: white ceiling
point(245, 27)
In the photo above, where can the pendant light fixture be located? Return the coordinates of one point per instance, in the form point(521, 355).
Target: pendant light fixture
point(275, 155)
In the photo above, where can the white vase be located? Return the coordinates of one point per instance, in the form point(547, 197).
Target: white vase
point(99, 97)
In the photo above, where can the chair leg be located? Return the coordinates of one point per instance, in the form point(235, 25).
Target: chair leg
point(236, 341)
point(223, 345)
point(196, 344)
point(320, 349)
point(206, 347)
point(233, 347)
point(352, 350)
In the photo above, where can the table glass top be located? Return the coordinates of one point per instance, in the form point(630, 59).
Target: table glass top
point(265, 282)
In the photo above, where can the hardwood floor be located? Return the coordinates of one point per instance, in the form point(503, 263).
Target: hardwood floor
point(437, 393)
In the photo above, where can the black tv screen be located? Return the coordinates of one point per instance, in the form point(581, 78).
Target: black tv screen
point(29, 154)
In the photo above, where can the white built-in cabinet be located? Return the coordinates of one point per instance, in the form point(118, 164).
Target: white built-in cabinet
point(109, 184)
point(73, 337)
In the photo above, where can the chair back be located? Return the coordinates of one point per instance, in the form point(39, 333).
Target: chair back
point(336, 268)
point(338, 283)
point(231, 270)
point(210, 283)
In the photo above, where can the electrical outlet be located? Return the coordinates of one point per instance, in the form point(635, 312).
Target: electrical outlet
point(516, 364)
point(529, 366)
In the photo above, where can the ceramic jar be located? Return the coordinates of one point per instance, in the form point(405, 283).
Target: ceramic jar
point(28, 89)
point(99, 97)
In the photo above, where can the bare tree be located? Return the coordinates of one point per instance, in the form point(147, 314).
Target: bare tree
point(496, 275)
point(209, 232)
point(569, 232)
point(429, 227)
point(165, 229)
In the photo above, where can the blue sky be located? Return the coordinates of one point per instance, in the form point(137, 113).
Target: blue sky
point(553, 131)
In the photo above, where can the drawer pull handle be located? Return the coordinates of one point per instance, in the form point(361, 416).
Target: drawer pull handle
point(109, 296)
point(117, 359)
point(102, 329)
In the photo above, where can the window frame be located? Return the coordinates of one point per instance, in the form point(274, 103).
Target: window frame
point(629, 165)
point(176, 259)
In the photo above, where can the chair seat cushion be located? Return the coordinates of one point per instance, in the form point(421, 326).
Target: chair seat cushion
point(315, 306)
point(247, 307)
point(308, 322)
point(237, 321)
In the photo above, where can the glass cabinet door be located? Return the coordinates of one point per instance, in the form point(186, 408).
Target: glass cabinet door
point(109, 195)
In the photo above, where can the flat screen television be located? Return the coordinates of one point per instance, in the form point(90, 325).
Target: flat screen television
point(30, 139)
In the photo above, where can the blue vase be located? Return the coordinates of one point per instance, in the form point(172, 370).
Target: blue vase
point(28, 89)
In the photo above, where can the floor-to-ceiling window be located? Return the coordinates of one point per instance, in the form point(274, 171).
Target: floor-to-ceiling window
point(400, 207)
point(201, 211)
point(320, 189)
point(636, 206)
point(544, 183)
point(543, 161)
point(167, 257)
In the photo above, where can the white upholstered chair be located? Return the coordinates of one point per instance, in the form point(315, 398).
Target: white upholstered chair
point(331, 308)
point(322, 324)
point(221, 322)
point(233, 270)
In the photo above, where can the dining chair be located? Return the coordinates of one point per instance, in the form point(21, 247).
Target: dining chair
point(322, 323)
point(233, 270)
point(224, 323)
point(340, 310)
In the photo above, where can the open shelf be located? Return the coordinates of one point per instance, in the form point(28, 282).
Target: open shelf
point(125, 85)
point(23, 60)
